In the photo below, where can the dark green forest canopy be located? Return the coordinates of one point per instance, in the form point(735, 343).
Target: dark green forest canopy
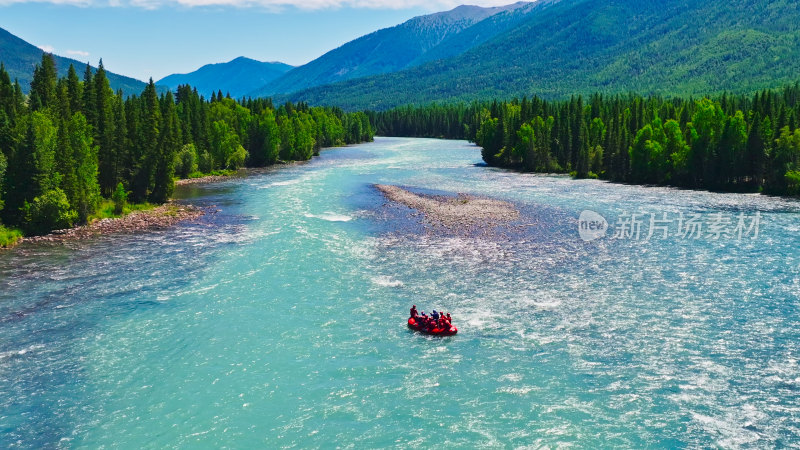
point(73, 141)
point(731, 143)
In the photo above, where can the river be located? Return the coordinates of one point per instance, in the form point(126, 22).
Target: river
point(279, 319)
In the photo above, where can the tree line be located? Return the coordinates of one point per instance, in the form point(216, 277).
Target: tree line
point(729, 143)
point(72, 142)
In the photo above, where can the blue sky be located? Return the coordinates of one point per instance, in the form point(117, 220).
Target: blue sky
point(144, 38)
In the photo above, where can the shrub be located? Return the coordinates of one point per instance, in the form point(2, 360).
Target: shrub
point(792, 182)
point(238, 158)
point(186, 161)
point(120, 198)
point(205, 162)
point(49, 211)
point(8, 236)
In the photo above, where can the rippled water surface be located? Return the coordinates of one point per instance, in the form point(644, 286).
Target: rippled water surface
point(279, 320)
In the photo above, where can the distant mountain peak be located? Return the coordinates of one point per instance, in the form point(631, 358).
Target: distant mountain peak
point(237, 76)
point(394, 48)
point(565, 47)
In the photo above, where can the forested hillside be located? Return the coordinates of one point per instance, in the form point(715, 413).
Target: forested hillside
point(74, 142)
point(683, 47)
point(20, 57)
point(398, 47)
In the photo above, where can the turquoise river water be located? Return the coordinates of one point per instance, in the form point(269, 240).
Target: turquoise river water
point(279, 319)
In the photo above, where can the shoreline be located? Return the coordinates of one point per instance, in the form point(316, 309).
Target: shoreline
point(208, 178)
point(162, 216)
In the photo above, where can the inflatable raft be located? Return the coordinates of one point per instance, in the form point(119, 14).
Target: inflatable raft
point(434, 332)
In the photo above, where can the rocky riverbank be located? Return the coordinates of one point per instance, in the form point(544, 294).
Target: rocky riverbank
point(203, 180)
point(460, 213)
point(162, 216)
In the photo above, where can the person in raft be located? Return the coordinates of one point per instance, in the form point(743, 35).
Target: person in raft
point(435, 320)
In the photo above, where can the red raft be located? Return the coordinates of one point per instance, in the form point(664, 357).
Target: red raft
point(434, 332)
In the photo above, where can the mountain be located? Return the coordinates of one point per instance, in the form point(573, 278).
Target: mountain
point(237, 77)
point(20, 58)
point(395, 48)
point(680, 47)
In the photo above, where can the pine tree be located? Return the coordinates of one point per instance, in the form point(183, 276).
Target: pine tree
point(148, 144)
point(104, 131)
point(43, 85)
point(169, 138)
point(122, 141)
point(89, 107)
point(74, 91)
point(87, 194)
point(41, 145)
point(3, 167)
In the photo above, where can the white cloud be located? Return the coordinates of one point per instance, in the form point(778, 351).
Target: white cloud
point(57, 2)
point(47, 48)
point(433, 5)
point(80, 53)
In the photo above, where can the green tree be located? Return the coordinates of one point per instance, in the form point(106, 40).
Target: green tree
point(783, 159)
point(186, 161)
point(169, 139)
point(89, 104)
point(597, 136)
point(86, 197)
point(104, 131)
point(304, 137)
point(74, 90)
point(731, 152)
point(677, 151)
point(525, 149)
point(224, 144)
point(41, 145)
point(120, 198)
point(3, 167)
point(490, 139)
point(49, 211)
point(640, 154)
point(265, 140)
point(286, 129)
point(148, 144)
point(43, 84)
point(706, 129)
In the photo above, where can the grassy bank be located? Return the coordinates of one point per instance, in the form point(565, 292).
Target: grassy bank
point(9, 237)
point(106, 210)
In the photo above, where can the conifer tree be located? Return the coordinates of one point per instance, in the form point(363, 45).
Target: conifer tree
point(74, 90)
point(43, 85)
point(169, 138)
point(87, 193)
point(104, 131)
point(148, 143)
point(89, 106)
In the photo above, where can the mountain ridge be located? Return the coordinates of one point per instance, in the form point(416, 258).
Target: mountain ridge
point(385, 50)
point(684, 47)
point(20, 57)
point(236, 77)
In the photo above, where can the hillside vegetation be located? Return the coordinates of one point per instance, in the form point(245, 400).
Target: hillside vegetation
point(684, 47)
point(20, 58)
